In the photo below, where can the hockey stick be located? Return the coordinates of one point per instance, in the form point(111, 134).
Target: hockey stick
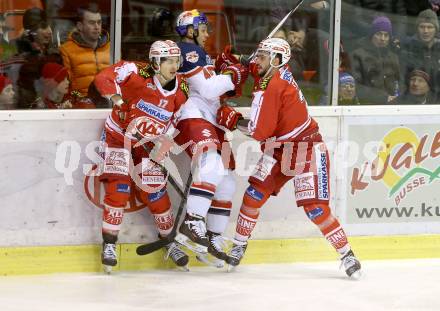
point(281, 23)
point(148, 248)
point(171, 179)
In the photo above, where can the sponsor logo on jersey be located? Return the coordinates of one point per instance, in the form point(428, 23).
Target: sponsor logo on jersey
point(287, 75)
point(116, 161)
point(209, 60)
point(206, 133)
point(192, 57)
point(322, 177)
point(148, 127)
point(153, 197)
point(254, 193)
point(152, 173)
point(304, 186)
point(152, 110)
point(316, 212)
point(124, 188)
point(264, 167)
point(151, 86)
point(204, 142)
point(245, 225)
point(337, 238)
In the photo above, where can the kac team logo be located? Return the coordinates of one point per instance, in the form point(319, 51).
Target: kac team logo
point(401, 164)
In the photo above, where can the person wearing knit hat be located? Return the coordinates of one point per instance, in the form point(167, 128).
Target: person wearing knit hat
point(54, 83)
point(6, 93)
point(418, 89)
point(381, 31)
point(427, 26)
point(347, 90)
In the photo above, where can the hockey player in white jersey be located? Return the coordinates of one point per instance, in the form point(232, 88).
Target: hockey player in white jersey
point(209, 199)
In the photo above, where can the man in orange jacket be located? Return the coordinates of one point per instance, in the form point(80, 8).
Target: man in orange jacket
point(87, 50)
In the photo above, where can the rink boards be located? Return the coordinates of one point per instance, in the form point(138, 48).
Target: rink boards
point(384, 175)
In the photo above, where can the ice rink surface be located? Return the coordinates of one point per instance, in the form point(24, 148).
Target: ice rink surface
point(385, 285)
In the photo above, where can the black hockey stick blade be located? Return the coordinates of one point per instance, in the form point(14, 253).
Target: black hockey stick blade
point(149, 248)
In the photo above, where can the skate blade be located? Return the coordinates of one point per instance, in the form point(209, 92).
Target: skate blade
point(107, 269)
point(231, 268)
point(210, 260)
point(194, 247)
point(183, 268)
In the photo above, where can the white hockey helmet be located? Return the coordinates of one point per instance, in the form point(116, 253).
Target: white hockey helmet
point(162, 49)
point(275, 46)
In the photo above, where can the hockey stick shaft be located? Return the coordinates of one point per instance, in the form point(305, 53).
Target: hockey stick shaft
point(280, 24)
point(156, 245)
point(171, 179)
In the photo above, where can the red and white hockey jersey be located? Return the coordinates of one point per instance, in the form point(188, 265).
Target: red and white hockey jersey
point(205, 87)
point(279, 109)
point(154, 107)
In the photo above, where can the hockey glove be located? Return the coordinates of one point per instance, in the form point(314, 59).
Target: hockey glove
point(228, 117)
point(121, 110)
point(238, 73)
point(225, 59)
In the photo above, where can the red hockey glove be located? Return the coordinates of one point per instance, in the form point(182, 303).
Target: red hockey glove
point(228, 117)
point(238, 74)
point(225, 59)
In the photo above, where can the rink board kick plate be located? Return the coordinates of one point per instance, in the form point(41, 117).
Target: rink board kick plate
point(86, 258)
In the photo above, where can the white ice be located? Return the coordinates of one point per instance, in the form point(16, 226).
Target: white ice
point(385, 285)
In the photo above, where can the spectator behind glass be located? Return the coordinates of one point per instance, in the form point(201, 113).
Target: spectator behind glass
point(418, 90)
point(6, 93)
point(35, 47)
point(347, 90)
point(346, 93)
point(54, 85)
point(423, 49)
point(375, 67)
point(7, 49)
point(87, 50)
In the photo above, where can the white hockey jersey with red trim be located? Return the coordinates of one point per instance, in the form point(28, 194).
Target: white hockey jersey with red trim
point(155, 107)
point(205, 87)
point(279, 109)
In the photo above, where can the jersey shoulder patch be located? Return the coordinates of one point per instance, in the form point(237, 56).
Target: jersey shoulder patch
point(184, 87)
point(193, 56)
point(144, 70)
point(264, 83)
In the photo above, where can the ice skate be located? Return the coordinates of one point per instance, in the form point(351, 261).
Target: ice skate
point(217, 255)
point(351, 265)
point(177, 255)
point(192, 234)
point(108, 256)
point(236, 254)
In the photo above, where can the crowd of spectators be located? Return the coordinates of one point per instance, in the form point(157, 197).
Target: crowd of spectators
point(395, 57)
point(37, 73)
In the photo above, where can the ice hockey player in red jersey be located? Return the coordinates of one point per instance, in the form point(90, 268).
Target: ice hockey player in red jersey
point(145, 101)
point(209, 200)
point(292, 149)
